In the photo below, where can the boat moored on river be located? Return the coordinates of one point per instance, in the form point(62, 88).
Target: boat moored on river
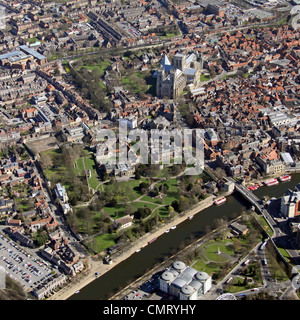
point(152, 240)
point(220, 201)
point(271, 182)
point(285, 178)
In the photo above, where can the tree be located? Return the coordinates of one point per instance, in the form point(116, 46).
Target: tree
point(164, 188)
point(112, 203)
point(175, 205)
point(183, 203)
point(137, 175)
point(129, 209)
point(143, 187)
point(142, 213)
point(170, 210)
point(154, 192)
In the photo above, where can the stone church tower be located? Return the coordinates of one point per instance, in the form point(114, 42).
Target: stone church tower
point(172, 79)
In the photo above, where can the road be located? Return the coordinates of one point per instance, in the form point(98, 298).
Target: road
point(281, 235)
point(59, 216)
point(280, 290)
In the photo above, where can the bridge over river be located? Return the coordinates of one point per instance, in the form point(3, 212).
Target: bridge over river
point(257, 203)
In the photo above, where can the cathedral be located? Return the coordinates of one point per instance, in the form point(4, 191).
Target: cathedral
point(173, 78)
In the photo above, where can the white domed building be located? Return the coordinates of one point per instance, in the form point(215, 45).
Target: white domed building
point(165, 280)
point(205, 279)
point(184, 282)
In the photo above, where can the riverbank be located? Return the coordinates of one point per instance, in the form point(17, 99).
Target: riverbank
point(94, 266)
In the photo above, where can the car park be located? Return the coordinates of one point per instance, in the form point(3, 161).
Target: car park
point(20, 264)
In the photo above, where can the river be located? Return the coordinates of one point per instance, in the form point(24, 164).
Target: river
point(166, 245)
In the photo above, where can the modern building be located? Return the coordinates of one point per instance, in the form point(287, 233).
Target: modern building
point(185, 283)
point(289, 205)
point(75, 134)
point(61, 193)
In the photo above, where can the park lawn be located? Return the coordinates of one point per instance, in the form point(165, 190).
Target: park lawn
point(115, 212)
point(211, 253)
point(23, 207)
point(153, 200)
point(79, 167)
point(211, 250)
point(93, 180)
point(132, 83)
point(61, 170)
point(103, 242)
point(276, 271)
point(237, 286)
point(67, 68)
point(169, 35)
point(32, 40)
point(201, 265)
point(129, 187)
point(52, 171)
point(138, 205)
point(163, 212)
point(118, 211)
point(171, 195)
point(101, 66)
point(284, 253)
point(204, 77)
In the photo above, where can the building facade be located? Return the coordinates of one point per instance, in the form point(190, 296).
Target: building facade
point(172, 79)
point(185, 283)
point(290, 203)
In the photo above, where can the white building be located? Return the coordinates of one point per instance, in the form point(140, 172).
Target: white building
point(287, 158)
point(278, 118)
point(130, 122)
point(61, 193)
point(184, 282)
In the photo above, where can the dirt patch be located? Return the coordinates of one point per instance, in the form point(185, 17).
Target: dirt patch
point(37, 146)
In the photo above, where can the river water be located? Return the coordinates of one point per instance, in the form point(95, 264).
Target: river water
point(169, 243)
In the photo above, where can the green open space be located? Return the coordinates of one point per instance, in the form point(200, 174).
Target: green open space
point(265, 225)
point(101, 66)
point(204, 77)
point(86, 161)
point(135, 82)
point(171, 195)
point(169, 35)
point(91, 165)
point(211, 252)
point(102, 242)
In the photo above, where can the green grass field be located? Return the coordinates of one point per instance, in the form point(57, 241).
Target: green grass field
point(204, 77)
point(171, 195)
point(103, 241)
point(212, 249)
point(101, 66)
point(91, 165)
